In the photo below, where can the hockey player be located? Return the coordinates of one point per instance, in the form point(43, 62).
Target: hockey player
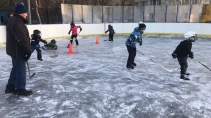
point(111, 32)
point(74, 31)
point(135, 36)
point(182, 52)
point(50, 46)
point(36, 38)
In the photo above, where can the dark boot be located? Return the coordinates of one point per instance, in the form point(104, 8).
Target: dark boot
point(130, 67)
point(10, 89)
point(22, 92)
point(182, 76)
point(39, 55)
point(134, 64)
point(187, 73)
point(77, 44)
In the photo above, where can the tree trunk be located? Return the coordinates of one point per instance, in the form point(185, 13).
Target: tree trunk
point(38, 15)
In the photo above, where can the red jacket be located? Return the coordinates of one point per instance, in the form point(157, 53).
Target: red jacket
point(74, 30)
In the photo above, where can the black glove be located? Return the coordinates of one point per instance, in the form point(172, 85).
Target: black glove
point(174, 55)
point(80, 30)
point(27, 56)
point(191, 55)
point(69, 33)
point(140, 43)
point(45, 42)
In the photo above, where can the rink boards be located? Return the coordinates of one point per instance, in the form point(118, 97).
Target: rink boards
point(172, 29)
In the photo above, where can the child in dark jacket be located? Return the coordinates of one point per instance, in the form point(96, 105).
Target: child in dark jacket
point(36, 38)
point(182, 52)
point(50, 46)
point(111, 32)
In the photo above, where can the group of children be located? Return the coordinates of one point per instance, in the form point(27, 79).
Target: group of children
point(182, 52)
point(36, 39)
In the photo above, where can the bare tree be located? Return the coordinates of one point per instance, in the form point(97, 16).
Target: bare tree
point(38, 12)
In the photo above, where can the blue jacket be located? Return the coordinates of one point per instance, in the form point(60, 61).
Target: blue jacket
point(135, 36)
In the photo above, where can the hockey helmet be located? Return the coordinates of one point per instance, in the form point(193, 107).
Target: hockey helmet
point(36, 31)
point(189, 35)
point(72, 24)
point(53, 41)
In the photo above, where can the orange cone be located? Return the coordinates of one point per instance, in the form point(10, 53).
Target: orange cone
point(97, 40)
point(70, 49)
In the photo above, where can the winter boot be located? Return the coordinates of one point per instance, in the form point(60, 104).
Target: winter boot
point(134, 64)
point(130, 67)
point(182, 76)
point(187, 73)
point(22, 92)
point(10, 89)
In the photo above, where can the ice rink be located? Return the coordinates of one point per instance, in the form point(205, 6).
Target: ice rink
point(94, 82)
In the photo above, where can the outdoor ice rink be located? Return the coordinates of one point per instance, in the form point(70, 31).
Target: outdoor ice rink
point(94, 82)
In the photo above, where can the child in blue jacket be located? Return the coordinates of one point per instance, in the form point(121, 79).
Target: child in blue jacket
point(135, 36)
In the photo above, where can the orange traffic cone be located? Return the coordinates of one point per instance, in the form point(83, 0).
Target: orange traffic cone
point(97, 40)
point(70, 49)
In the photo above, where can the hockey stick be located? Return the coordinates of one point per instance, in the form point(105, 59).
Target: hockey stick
point(106, 39)
point(53, 56)
point(30, 76)
point(155, 62)
point(202, 64)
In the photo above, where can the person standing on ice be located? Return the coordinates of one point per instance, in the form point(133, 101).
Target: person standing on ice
point(18, 48)
point(135, 36)
point(182, 52)
point(111, 32)
point(36, 38)
point(73, 29)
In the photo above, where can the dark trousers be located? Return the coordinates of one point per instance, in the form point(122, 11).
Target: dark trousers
point(18, 73)
point(183, 64)
point(111, 37)
point(76, 40)
point(36, 47)
point(132, 54)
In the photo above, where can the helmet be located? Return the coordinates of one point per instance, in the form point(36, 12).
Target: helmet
point(72, 24)
point(53, 41)
point(109, 26)
point(142, 26)
point(36, 31)
point(190, 34)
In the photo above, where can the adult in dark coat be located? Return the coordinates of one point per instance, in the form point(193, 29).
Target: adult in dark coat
point(18, 48)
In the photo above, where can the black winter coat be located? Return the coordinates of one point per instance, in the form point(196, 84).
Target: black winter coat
point(17, 37)
point(184, 49)
point(36, 40)
point(110, 30)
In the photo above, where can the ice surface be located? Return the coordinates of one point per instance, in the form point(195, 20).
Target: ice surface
point(94, 83)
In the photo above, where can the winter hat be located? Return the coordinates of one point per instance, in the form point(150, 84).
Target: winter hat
point(142, 26)
point(20, 9)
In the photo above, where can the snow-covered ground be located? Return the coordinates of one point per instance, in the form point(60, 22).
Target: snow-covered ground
point(94, 83)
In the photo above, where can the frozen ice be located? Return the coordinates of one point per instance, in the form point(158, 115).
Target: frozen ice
point(94, 82)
